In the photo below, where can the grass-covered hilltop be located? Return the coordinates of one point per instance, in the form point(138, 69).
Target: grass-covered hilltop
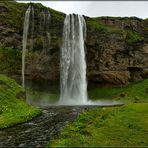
point(116, 50)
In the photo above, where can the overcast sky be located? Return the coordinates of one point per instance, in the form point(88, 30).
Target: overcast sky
point(100, 8)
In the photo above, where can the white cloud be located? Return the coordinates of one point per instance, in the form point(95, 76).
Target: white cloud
point(100, 8)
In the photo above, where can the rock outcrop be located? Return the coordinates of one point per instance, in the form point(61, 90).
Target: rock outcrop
point(116, 48)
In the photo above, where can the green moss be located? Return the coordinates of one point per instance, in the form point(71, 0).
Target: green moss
point(13, 110)
point(133, 37)
point(11, 59)
point(95, 24)
point(58, 16)
point(130, 92)
point(120, 126)
point(16, 13)
point(39, 6)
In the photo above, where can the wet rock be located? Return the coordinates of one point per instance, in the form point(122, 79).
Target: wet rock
point(112, 44)
point(117, 78)
point(145, 73)
point(40, 130)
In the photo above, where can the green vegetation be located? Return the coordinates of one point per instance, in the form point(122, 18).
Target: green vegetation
point(134, 92)
point(13, 109)
point(56, 15)
point(110, 126)
point(133, 37)
point(39, 95)
point(120, 126)
point(15, 15)
point(59, 16)
point(11, 59)
point(95, 24)
point(14, 12)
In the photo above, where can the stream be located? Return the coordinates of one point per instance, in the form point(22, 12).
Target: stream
point(40, 130)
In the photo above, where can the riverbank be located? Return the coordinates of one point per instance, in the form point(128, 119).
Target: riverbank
point(37, 132)
point(135, 92)
point(14, 109)
point(75, 125)
point(113, 126)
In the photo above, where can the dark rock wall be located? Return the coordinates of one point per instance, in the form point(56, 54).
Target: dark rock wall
point(117, 51)
point(116, 48)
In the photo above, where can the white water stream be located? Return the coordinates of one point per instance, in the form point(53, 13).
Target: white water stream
point(73, 64)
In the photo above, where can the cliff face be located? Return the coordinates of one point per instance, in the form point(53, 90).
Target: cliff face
point(116, 48)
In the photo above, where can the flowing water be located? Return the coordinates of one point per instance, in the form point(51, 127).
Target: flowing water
point(25, 35)
point(39, 131)
point(32, 27)
point(44, 22)
point(73, 87)
point(73, 63)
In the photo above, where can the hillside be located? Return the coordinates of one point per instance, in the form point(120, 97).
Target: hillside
point(116, 48)
point(13, 106)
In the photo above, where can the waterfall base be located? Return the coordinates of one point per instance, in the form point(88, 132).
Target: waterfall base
point(91, 103)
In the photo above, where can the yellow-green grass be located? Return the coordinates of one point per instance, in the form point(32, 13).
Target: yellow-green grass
point(114, 126)
point(39, 95)
point(110, 126)
point(134, 92)
point(13, 109)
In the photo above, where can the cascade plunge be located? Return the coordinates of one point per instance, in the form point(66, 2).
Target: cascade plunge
point(25, 35)
point(73, 65)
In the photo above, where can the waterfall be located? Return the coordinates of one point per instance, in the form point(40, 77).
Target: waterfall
point(25, 35)
point(32, 26)
point(47, 32)
point(44, 22)
point(73, 85)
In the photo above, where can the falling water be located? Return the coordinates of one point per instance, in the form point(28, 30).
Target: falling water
point(44, 17)
point(47, 32)
point(73, 64)
point(25, 34)
point(32, 26)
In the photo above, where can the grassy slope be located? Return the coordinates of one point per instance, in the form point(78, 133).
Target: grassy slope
point(133, 92)
point(121, 126)
point(112, 126)
point(13, 110)
point(37, 95)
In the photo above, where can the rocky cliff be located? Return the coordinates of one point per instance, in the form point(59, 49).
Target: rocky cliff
point(116, 48)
